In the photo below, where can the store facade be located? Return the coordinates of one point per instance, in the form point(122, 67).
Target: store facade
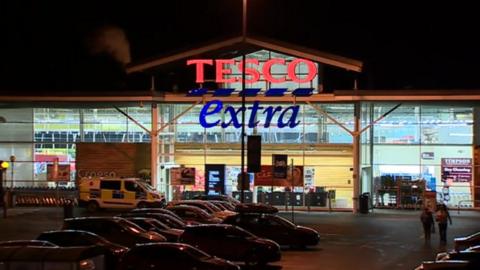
point(400, 139)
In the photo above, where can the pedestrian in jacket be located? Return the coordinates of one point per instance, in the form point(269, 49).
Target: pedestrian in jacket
point(443, 217)
point(427, 221)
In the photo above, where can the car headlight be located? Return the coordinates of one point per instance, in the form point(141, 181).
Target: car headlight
point(87, 265)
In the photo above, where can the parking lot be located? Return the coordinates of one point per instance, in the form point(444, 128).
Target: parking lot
point(385, 239)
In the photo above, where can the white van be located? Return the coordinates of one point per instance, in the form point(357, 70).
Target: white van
point(98, 193)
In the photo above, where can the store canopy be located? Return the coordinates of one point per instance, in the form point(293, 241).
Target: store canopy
point(234, 47)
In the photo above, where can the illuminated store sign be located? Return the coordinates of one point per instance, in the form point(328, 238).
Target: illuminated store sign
point(254, 73)
point(211, 114)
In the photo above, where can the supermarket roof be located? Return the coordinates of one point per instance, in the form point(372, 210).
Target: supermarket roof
point(236, 46)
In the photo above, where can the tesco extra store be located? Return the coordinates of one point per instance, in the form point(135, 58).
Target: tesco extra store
point(399, 146)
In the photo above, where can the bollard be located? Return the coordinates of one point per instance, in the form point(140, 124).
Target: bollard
point(68, 209)
point(309, 196)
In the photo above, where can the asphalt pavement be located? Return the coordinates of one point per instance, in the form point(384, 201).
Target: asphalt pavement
point(384, 239)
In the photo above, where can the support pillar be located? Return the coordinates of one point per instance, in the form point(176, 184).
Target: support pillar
point(356, 157)
point(154, 147)
point(476, 157)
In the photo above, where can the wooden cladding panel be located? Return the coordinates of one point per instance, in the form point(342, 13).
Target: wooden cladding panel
point(112, 159)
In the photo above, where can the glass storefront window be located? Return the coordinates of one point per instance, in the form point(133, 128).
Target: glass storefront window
point(412, 143)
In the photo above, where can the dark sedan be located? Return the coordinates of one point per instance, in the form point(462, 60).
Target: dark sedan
point(232, 243)
point(276, 228)
point(472, 255)
point(151, 224)
point(172, 256)
point(114, 229)
point(217, 198)
point(465, 242)
point(255, 208)
point(74, 238)
point(39, 257)
point(164, 218)
point(224, 205)
point(194, 215)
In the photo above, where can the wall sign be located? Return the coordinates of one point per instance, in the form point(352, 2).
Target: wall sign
point(215, 179)
point(211, 114)
point(456, 169)
point(265, 177)
point(59, 172)
point(182, 176)
point(280, 166)
point(428, 155)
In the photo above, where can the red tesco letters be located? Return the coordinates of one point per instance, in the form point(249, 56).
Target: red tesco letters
point(222, 68)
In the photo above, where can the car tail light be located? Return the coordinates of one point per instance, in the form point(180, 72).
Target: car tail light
point(87, 265)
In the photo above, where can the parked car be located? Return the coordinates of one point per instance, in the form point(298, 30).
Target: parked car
point(443, 265)
point(38, 257)
point(155, 210)
point(164, 218)
point(232, 243)
point(205, 205)
point(114, 229)
point(462, 243)
point(75, 238)
point(224, 205)
point(255, 208)
point(217, 198)
point(192, 214)
point(275, 228)
point(23, 243)
point(472, 255)
point(172, 256)
point(151, 224)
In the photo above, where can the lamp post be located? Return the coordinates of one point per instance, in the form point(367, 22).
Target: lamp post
point(3, 168)
point(12, 160)
point(242, 167)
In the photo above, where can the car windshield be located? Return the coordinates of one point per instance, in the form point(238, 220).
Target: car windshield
point(474, 236)
point(195, 252)
point(283, 221)
point(219, 205)
point(130, 226)
point(145, 186)
point(233, 200)
point(204, 207)
point(158, 224)
point(202, 213)
point(215, 208)
point(241, 232)
point(228, 206)
point(174, 222)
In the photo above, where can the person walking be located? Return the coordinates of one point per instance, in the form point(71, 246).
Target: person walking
point(443, 217)
point(427, 221)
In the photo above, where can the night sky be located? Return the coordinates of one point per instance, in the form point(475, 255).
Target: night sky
point(403, 44)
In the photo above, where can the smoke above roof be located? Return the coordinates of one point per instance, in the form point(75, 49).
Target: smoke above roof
point(109, 40)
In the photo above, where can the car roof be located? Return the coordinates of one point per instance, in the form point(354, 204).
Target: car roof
point(209, 226)
point(70, 232)
point(76, 233)
point(13, 243)
point(84, 219)
point(179, 246)
point(254, 214)
point(184, 206)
